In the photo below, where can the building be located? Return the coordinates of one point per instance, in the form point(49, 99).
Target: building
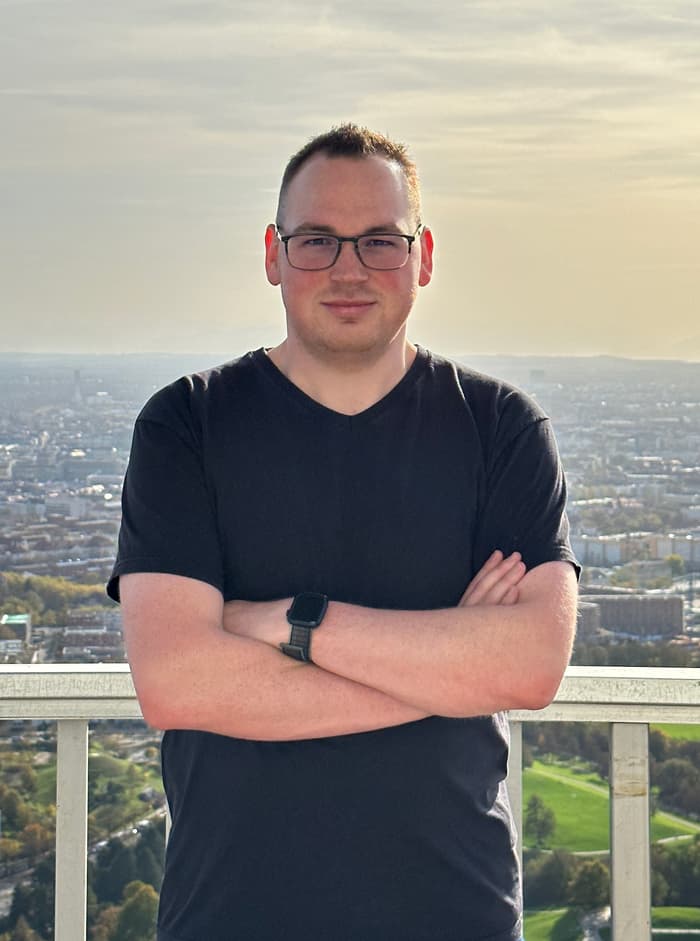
point(640, 616)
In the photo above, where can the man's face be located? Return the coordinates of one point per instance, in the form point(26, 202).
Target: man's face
point(347, 309)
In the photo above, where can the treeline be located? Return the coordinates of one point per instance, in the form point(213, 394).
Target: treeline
point(560, 879)
point(632, 653)
point(123, 886)
point(674, 773)
point(48, 599)
point(618, 518)
point(586, 740)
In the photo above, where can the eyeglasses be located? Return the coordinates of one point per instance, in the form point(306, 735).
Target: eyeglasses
point(380, 251)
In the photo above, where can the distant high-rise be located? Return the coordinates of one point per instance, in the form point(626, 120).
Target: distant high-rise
point(77, 388)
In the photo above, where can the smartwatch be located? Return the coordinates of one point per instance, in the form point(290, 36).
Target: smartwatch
point(306, 612)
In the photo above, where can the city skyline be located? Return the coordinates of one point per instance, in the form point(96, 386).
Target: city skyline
point(558, 144)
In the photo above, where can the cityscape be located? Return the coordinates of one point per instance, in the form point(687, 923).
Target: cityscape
point(629, 436)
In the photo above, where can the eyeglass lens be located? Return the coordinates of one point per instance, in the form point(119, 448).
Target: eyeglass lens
point(314, 252)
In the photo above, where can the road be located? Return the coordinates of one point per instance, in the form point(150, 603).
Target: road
point(592, 923)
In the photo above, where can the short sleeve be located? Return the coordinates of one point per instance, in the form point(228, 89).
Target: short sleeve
point(168, 520)
point(524, 505)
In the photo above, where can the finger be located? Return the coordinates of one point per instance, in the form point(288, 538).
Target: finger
point(511, 596)
point(493, 561)
point(487, 576)
point(497, 592)
point(493, 585)
point(493, 590)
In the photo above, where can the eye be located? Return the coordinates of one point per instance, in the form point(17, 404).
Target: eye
point(315, 241)
point(381, 241)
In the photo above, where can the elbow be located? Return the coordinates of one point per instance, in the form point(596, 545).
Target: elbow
point(539, 692)
point(155, 716)
point(159, 710)
point(529, 689)
point(537, 680)
point(537, 687)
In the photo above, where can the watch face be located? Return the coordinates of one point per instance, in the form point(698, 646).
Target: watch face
point(307, 609)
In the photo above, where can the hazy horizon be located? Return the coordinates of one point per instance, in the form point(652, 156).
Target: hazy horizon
point(558, 145)
point(215, 356)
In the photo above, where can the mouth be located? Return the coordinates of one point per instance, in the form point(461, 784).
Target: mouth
point(348, 307)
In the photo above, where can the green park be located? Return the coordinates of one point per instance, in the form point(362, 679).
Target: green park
point(575, 800)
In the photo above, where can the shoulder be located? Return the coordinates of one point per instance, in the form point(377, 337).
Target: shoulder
point(499, 408)
point(193, 399)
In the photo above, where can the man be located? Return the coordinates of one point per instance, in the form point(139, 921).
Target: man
point(340, 560)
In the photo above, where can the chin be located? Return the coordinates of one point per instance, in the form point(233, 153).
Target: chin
point(370, 347)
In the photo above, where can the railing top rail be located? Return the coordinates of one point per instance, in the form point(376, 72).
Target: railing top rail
point(606, 694)
point(67, 691)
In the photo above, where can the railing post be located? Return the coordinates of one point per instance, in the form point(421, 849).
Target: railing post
point(515, 781)
point(71, 830)
point(629, 832)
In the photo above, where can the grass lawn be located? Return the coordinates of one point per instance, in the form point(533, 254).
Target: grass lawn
point(101, 767)
point(675, 917)
point(683, 733)
point(558, 924)
point(579, 800)
point(581, 809)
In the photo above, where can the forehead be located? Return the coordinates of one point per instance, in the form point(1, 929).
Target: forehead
point(360, 192)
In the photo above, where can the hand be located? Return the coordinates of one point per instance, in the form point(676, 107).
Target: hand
point(264, 621)
point(496, 582)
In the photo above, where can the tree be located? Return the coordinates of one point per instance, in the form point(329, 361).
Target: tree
point(547, 878)
point(679, 784)
point(659, 889)
point(590, 887)
point(137, 918)
point(676, 563)
point(23, 932)
point(35, 901)
point(105, 926)
point(16, 813)
point(114, 869)
point(9, 848)
point(540, 821)
point(36, 839)
point(28, 778)
point(149, 868)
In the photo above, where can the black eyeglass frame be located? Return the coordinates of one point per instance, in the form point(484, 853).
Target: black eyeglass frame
point(355, 239)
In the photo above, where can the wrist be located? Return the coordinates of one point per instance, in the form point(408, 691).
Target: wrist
point(304, 616)
point(264, 621)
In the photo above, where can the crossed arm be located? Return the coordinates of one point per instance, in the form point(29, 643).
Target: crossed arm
point(201, 664)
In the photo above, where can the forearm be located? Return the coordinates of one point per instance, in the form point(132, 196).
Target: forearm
point(501, 648)
point(190, 674)
point(244, 688)
point(458, 661)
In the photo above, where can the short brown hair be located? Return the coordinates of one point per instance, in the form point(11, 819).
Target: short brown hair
point(350, 140)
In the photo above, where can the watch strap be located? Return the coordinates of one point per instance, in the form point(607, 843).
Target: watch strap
point(299, 644)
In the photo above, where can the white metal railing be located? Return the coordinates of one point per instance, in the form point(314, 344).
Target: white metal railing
point(628, 698)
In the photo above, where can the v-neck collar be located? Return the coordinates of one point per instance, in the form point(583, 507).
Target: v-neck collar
point(393, 396)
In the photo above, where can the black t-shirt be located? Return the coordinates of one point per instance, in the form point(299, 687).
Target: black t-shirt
point(239, 479)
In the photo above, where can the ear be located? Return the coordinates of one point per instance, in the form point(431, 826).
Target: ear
point(272, 254)
point(426, 258)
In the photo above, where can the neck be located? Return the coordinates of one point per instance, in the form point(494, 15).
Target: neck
point(346, 383)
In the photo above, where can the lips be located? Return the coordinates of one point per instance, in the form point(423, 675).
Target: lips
point(348, 306)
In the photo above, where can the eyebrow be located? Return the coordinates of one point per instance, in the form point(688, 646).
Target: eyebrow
point(389, 227)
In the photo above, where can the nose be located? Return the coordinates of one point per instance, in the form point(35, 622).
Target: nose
point(348, 267)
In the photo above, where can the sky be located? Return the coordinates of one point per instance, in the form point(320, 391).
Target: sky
point(558, 144)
